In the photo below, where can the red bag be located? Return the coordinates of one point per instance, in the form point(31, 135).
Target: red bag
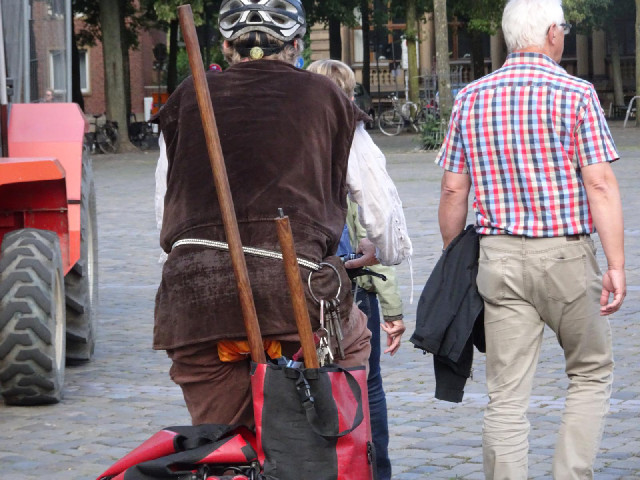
point(313, 423)
point(196, 452)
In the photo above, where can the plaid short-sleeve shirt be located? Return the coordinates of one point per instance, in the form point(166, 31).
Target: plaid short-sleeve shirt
point(523, 133)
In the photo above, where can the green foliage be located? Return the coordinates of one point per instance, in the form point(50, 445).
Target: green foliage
point(587, 14)
point(398, 8)
point(134, 20)
point(306, 53)
point(431, 133)
point(167, 10)
point(481, 15)
point(320, 11)
point(598, 14)
point(182, 62)
point(90, 10)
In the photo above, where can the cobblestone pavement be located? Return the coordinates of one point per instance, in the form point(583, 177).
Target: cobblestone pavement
point(124, 395)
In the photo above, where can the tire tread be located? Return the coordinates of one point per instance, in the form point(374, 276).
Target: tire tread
point(29, 319)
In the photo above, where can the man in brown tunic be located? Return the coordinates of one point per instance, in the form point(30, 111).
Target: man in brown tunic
point(285, 135)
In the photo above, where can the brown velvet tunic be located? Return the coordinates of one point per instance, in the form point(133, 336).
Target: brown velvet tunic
point(285, 135)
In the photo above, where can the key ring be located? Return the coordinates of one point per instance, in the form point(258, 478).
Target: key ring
point(337, 275)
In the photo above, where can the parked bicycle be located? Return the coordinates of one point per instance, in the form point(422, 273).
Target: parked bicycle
point(404, 116)
point(141, 134)
point(104, 138)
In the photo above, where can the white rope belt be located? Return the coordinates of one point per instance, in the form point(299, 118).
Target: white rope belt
point(256, 252)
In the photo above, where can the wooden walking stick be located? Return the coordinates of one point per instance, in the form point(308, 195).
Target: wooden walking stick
point(222, 184)
point(300, 311)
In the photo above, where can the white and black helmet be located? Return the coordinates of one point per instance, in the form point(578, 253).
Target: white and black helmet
point(282, 19)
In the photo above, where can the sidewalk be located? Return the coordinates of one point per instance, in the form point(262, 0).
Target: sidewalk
point(124, 395)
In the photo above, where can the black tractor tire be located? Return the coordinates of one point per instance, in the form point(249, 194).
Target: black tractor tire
point(32, 318)
point(81, 282)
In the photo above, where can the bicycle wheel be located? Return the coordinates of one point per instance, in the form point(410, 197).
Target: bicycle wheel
point(107, 138)
point(88, 145)
point(390, 122)
point(424, 118)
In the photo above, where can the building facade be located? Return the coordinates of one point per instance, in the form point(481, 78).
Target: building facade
point(586, 56)
point(145, 78)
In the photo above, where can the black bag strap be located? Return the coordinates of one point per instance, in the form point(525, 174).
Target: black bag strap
point(179, 465)
point(321, 426)
point(194, 436)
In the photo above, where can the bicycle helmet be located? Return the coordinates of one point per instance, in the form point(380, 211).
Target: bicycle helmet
point(282, 19)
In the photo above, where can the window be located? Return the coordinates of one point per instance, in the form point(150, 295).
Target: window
point(57, 8)
point(385, 40)
point(83, 61)
point(58, 70)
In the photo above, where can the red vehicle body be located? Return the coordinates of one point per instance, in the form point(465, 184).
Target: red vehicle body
point(48, 251)
point(40, 181)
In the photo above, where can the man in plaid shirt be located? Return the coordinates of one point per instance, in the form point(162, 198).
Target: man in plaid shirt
point(533, 143)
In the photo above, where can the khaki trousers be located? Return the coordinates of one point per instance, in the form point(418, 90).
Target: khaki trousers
point(527, 283)
point(220, 392)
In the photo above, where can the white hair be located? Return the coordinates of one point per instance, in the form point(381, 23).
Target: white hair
point(525, 23)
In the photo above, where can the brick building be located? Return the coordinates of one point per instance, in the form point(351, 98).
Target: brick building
point(144, 80)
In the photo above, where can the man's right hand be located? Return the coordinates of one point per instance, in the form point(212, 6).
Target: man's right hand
point(613, 283)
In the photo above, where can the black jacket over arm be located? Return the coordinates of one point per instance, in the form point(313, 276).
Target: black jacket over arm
point(449, 318)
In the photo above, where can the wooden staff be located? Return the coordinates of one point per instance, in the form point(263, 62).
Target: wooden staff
point(222, 184)
point(300, 312)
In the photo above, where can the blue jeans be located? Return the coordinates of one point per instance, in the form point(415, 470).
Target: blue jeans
point(368, 303)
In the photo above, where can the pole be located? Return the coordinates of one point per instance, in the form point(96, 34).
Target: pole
point(377, 52)
point(222, 185)
point(292, 271)
point(4, 117)
point(68, 25)
point(26, 8)
point(393, 57)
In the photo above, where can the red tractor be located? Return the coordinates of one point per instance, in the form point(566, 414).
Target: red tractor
point(48, 253)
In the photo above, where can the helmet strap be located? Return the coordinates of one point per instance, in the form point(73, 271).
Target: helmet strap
point(256, 52)
point(258, 46)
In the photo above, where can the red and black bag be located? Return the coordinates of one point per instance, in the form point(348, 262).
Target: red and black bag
point(313, 423)
point(191, 452)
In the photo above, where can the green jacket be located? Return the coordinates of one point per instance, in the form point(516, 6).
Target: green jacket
point(387, 291)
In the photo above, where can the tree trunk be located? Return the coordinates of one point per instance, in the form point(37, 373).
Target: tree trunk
point(411, 34)
point(114, 82)
point(76, 89)
point(172, 63)
point(366, 62)
point(125, 66)
point(442, 58)
point(638, 62)
point(477, 55)
point(335, 40)
point(618, 92)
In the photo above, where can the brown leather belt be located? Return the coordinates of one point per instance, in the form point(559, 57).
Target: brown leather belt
point(575, 238)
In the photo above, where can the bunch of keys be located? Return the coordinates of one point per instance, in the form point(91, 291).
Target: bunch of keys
point(330, 333)
point(334, 327)
point(325, 355)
